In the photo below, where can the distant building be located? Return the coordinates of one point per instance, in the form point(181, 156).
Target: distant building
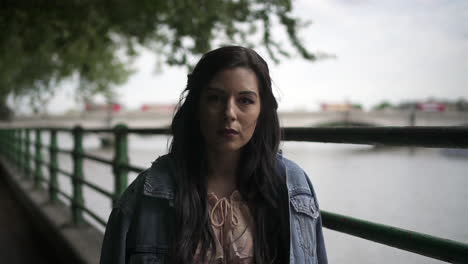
point(94, 107)
point(158, 108)
point(434, 105)
point(342, 107)
point(431, 106)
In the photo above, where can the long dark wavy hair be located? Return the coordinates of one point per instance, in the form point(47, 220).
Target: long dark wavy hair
point(258, 180)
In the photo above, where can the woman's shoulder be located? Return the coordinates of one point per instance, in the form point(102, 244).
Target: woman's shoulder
point(126, 202)
point(159, 181)
point(155, 181)
point(297, 179)
point(290, 166)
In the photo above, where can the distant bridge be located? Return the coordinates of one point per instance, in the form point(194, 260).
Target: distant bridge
point(374, 118)
point(287, 119)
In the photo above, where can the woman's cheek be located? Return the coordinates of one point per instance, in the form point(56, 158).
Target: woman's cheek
point(251, 127)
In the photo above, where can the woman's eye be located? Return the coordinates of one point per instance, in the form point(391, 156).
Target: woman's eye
point(213, 98)
point(246, 101)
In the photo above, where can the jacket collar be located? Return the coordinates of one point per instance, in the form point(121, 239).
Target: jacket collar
point(159, 181)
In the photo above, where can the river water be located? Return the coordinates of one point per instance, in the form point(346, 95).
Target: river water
point(424, 190)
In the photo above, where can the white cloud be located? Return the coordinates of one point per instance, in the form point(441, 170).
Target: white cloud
point(386, 50)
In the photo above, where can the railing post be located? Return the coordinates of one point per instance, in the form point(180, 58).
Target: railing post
point(6, 143)
point(11, 145)
point(27, 155)
point(38, 176)
point(53, 184)
point(16, 148)
point(20, 149)
point(3, 141)
point(120, 160)
point(77, 183)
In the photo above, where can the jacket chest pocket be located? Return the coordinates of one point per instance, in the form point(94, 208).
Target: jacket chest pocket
point(304, 222)
point(148, 255)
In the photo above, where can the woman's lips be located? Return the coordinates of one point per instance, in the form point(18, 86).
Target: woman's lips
point(228, 132)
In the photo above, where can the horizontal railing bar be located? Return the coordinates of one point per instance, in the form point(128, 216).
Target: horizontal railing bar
point(109, 130)
point(59, 191)
point(430, 137)
point(433, 137)
point(64, 172)
point(98, 159)
point(65, 151)
point(88, 184)
point(89, 212)
point(42, 145)
point(94, 187)
point(41, 162)
point(85, 182)
point(99, 130)
point(93, 215)
point(47, 165)
point(152, 131)
point(97, 188)
point(111, 162)
point(146, 131)
point(133, 168)
point(43, 180)
point(47, 147)
point(58, 129)
point(423, 244)
point(62, 129)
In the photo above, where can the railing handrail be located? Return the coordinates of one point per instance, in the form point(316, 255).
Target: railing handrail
point(419, 243)
point(18, 147)
point(419, 136)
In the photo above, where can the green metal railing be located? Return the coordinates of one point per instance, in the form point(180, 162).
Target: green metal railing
point(16, 145)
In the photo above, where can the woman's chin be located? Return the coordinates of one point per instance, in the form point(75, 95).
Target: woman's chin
point(227, 148)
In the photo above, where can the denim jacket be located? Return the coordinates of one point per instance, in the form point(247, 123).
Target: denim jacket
point(140, 225)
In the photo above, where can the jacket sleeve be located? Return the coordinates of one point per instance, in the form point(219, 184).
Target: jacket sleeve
point(113, 248)
point(321, 251)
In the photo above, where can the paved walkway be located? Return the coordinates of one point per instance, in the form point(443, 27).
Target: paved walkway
point(19, 242)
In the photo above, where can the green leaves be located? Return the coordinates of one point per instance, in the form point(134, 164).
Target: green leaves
point(45, 42)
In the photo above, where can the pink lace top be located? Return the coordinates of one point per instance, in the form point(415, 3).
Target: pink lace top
point(232, 226)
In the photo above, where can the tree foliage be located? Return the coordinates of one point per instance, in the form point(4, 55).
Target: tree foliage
point(383, 105)
point(44, 42)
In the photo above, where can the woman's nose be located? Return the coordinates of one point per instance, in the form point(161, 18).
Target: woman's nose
point(230, 110)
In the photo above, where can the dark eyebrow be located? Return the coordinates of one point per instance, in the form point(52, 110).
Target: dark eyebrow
point(249, 93)
point(217, 90)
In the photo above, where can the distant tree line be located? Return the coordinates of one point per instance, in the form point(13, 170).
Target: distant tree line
point(460, 104)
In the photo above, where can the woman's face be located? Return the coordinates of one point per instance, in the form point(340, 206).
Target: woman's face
point(229, 109)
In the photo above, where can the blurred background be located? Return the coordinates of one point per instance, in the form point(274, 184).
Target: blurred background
point(333, 63)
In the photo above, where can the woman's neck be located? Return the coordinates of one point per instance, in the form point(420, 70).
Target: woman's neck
point(222, 172)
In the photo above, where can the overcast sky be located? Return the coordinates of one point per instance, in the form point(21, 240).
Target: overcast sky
point(386, 50)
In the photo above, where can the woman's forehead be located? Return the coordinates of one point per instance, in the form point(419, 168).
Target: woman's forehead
point(239, 79)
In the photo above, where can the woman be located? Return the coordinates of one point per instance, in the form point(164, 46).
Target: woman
point(223, 194)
